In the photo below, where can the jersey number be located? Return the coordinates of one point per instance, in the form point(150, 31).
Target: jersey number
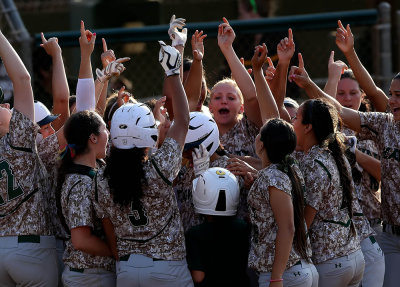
point(138, 215)
point(13, 189)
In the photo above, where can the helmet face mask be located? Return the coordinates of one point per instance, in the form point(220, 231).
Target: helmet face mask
point(216, 192)
point(133, 125)
point(202, 130)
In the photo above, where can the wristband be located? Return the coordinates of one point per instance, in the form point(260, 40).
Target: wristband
point(276, 280)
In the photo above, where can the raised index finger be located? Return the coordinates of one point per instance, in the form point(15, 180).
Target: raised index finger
point(331, 57)
point(225, 20)
point(82, 29)
point(290, 35)
point(43, 38)
point(270, 63)
point(301, 62)
point(341, 25)
point(123, 60)
point(104, 44)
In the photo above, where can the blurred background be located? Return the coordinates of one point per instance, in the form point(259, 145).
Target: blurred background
point(132, 28)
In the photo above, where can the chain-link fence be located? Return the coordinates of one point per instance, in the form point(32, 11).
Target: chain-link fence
point(314, 36)
point(146, 75)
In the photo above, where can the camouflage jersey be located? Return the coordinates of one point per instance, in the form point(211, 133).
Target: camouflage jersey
point(183, 187)
point(332, 233)
point(384, 131)
point(368, 189)
point(263, 225)
point(240, 139)
point(151, 227)
point(23, 181)
point(78, 211)
point(48, 151)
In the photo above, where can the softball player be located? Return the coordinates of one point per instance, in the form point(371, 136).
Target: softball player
point(27, 251)
point(87, 257)
point(328, 212)
point(382, 129)
point(148, 228)
point(279, 251)
point(217, 249)
point(202, 130)
point(367, 188)
point(229, 99)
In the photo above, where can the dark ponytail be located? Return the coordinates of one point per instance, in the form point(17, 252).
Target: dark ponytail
point(77, 130)
point(279, 140)
point(325, 122)
point(125, 174)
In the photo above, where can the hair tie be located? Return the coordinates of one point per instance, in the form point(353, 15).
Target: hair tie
point(68, 148)
point(287, 162)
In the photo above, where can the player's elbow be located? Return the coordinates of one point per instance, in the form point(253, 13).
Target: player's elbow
point(197, 276)
point(78, 244)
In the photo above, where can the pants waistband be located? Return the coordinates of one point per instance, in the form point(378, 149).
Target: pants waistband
point(393, 229)
point(14, 241)
point(126, 258)
point(88, 270)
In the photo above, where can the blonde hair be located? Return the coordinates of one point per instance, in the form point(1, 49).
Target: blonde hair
point(228, 81)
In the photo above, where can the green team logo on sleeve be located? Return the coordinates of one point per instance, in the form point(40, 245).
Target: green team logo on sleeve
point(13, 188)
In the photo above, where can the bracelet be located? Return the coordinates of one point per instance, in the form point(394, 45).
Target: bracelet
point(276, 280)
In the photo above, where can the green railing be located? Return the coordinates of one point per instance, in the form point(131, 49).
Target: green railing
point(276, 24)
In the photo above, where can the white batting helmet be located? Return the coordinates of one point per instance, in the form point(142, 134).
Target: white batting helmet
point(216, 192)
point(202, 130)
point(133, 125)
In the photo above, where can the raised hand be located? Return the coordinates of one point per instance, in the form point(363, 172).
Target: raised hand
point(113, 69)
point(170, 59)
point(158, 110)
point(86, 40)
point(124, 96)
point(259, 57)
point(50, 46)
point(198, 45)
point(336, 68)
point(270, 71)
point(286, 48)
point(226, 35)
point(344, 38)
point(107, 56)
point(177, 37)
point(299, 74)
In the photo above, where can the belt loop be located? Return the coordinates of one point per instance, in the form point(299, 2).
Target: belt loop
point(124, 258)
point(79, 270)
point(28, 239)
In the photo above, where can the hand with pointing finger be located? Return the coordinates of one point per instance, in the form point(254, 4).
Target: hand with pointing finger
point(226, 35)
point(336, 68)
point(299, 74)
point(50, 46)
point(86, 41)
point(270, 71)
point(286, 47)
point(344, 38)
point(107, 56)
point(113, 69)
